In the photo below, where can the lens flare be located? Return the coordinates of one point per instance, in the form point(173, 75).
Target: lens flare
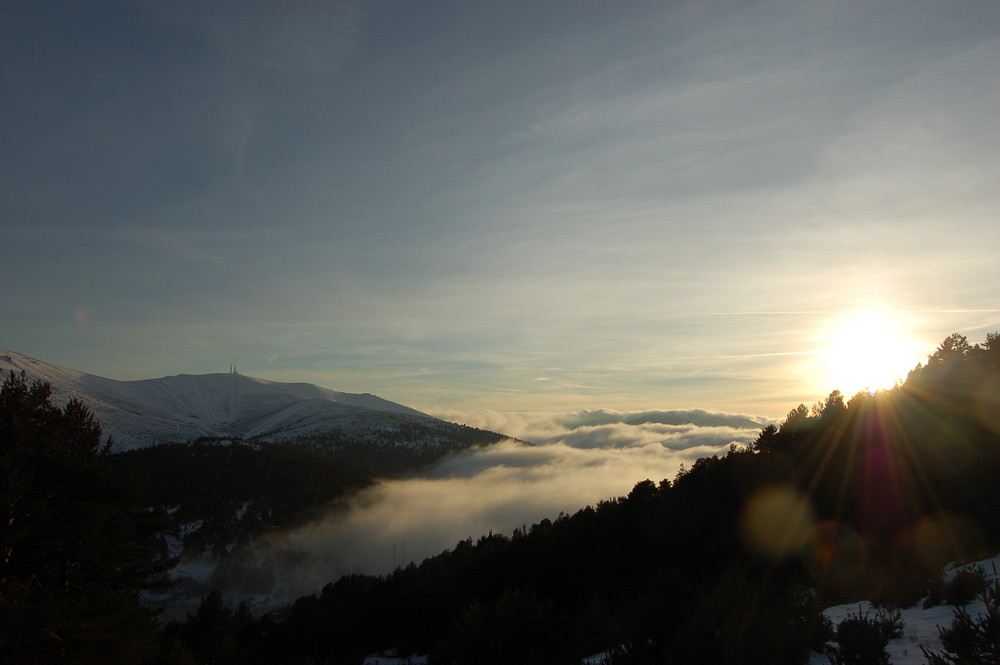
point(944, 536)
point(776, 520)
point(836, 554)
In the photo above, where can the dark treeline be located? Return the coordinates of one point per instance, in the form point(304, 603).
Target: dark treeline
point(75, 548)
point(395, 445)
point(729, 562)
point(235, 489)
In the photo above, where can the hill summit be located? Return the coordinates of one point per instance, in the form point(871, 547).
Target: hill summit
point(180, 408)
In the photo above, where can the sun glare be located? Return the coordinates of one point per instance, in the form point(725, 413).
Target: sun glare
point(868, 350)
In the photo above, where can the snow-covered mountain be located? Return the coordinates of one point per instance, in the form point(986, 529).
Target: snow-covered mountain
point(185, 407)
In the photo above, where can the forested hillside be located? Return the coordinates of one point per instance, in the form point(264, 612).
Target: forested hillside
point(224, 492)
point(391, 444)
point(731, 561)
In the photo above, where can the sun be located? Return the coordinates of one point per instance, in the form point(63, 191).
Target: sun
point(868, 350)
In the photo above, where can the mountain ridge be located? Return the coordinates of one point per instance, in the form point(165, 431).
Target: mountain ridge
point(184, 407)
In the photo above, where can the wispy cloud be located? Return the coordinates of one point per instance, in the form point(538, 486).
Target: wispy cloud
point(656, 203)
point(201, 246)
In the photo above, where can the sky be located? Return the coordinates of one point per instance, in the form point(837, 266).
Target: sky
point(511, 206)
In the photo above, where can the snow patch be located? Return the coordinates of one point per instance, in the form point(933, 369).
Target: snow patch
point(921, 625)
point(392, 657)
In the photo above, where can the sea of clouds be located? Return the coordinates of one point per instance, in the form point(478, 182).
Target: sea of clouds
point(573, 460)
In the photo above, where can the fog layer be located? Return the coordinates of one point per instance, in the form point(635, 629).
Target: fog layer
point(499, 488)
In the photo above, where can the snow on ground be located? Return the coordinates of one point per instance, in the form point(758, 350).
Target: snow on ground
point(921, 630)
point(922, 625)
point(242, 510)
point(392, 657)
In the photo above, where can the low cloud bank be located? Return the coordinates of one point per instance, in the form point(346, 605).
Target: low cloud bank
point(602, 428)
point(498, 488)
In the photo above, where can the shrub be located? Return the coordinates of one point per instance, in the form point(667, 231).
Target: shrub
point(969, 641)
point(861, 639)
point(823, 632)
point(935, 594)
point(964, 586)
point(891, 623)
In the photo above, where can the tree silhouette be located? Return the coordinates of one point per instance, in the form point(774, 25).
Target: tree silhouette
point(216, 634)
point(968, 640)
point(74, 549)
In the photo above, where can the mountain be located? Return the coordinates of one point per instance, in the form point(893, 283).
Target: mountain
point(138, 414)
point(230, 457)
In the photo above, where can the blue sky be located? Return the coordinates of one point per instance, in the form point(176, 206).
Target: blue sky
point(506, 206)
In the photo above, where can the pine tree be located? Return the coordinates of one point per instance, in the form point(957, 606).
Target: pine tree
point(75, 550)
point(217, 634)
point(971, 641)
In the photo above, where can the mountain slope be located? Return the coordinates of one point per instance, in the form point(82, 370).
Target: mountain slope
point(223, 493)
point(184, 407)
